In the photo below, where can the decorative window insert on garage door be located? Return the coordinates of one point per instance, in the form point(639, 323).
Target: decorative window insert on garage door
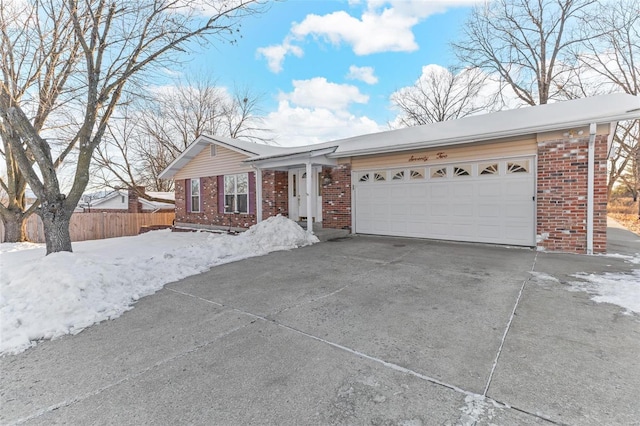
point(489, 201)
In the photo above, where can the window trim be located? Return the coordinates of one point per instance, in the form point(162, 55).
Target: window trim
point(235, 193)
point(192, 196)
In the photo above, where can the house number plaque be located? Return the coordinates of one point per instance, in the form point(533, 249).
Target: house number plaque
point(425, 158)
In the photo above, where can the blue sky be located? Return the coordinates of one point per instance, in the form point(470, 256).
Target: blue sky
point(342, 60)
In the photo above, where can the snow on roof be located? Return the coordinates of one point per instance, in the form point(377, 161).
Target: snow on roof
point(162, 195)
point(502, 124)
point(498, 125)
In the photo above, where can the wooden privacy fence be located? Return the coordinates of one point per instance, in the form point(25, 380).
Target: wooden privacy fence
point(97, 226)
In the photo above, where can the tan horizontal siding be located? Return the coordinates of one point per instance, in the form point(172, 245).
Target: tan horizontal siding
point(225, 162)
point(446, 155)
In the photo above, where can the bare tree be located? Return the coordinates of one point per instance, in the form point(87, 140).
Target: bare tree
point(81, 55)
point(526, 43)
point(26, 70)
point(441, 94)
point(152, 134)
point(611, 62)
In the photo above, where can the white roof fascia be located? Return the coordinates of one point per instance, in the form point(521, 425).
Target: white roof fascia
point(181, 160)
point(315, 156)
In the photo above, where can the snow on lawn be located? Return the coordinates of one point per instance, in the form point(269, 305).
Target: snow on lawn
point(44, 297)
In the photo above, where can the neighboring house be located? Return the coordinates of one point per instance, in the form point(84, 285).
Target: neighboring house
point(534, 176)
point(128, 201)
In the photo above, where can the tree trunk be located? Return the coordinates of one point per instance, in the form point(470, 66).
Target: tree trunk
point(56, 220)
point(15, 227)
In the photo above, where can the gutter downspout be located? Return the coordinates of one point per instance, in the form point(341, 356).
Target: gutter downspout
point(258, 172)
point(590, 184)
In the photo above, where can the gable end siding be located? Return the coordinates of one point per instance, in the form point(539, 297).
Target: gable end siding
point(225, 162)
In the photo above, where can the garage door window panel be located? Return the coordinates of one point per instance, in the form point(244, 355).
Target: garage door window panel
point(364, 177)
point(416, 174)
point(518, 167)
point(438, 172)
point(490, 169)
point(398, 175)
point(459, 171)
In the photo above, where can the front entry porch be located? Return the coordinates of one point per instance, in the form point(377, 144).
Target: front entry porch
point(298, 178)
point(298, 203)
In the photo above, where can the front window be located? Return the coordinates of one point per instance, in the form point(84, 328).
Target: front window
point(195, 195)
point(236, 193)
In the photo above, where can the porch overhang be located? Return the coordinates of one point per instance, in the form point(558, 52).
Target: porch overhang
point(317, 157)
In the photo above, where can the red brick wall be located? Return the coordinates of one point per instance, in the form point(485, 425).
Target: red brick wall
point(336, 197)
point(562, 195)
point(275, 193)
point(209, 207)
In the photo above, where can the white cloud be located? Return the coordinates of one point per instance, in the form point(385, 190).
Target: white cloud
point(294, 125)
point(317, 110)
point(363, 74)
point(276, 53)
point(374, 32)
point(319, 93)
point(384, 26)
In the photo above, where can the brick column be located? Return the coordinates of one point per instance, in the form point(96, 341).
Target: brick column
point(562, 195)
point(275, 193)
point(336, 197)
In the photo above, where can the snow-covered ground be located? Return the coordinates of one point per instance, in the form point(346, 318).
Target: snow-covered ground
point(618, 288)
point(613, 287)
point(44, 297)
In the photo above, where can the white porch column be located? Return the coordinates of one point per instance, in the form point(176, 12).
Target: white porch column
point(258, 194)
point(310, 201)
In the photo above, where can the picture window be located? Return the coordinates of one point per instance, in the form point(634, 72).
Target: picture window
point(236, 193)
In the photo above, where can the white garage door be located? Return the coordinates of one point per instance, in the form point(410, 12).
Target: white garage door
point(485, 201)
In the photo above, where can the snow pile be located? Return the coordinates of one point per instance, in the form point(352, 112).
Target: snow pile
point(618, 288)
point(63, 293)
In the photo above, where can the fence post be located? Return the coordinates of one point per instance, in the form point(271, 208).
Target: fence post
point(104, 225)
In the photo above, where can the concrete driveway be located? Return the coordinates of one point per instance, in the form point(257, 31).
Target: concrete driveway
point(362, 330)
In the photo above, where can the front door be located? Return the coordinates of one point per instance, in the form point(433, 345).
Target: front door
point(298, 194)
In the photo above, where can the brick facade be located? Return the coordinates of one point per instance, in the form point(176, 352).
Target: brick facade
point(562, 195)
point(275, 193)
point(336, 197)
point(208, 216)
